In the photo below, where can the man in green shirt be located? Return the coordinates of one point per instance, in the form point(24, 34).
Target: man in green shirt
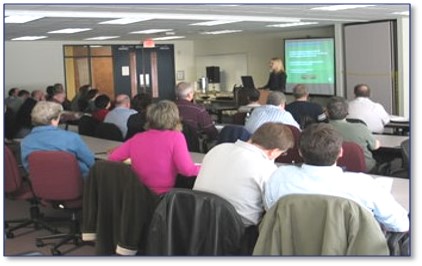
point(337, 108)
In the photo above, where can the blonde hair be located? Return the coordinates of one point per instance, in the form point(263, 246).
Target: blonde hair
point(44, 112)
point(163, 115)
point(277, 65)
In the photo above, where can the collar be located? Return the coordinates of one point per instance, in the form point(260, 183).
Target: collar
point(251, 147)
point(44, 128)
point(331, 170)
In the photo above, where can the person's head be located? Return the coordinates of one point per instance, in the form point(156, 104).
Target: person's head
point(253, 95)
point(122, 100)
point(92, 94)
point(141, 101)
point(273, 138)
point(59, 96)
point(83, 90)
point(320, 144)
point(337, 108)
point(276, 98)
point(46, 113)
point(300, 92)
point(13, 92)
point(276, 65)
point(102, 102)
point(23, 94)
point(163, 115)
point(362, 90)
point(50, 91)
point(38, 95)
point(58, 87)
point(184, 91)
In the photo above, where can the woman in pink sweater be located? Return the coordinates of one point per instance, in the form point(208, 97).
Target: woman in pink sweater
point(160, 153)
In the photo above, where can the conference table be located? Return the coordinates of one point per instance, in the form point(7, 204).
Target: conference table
point(399, 187)
point(390, 141)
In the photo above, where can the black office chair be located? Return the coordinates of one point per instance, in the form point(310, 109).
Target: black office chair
point(87, 125)
point(108, 131)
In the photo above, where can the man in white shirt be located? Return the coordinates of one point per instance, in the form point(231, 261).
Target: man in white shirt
point(120, 114)
point(363, 108)
point(320, 146)
point(237, 171)
point(273, 111)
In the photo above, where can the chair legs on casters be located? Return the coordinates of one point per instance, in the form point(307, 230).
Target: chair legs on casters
point(73, 235)
point(36, 218)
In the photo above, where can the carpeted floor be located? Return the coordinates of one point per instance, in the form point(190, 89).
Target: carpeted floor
point(23, 242)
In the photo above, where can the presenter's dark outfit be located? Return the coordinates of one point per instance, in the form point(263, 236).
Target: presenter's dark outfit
point(276, 81)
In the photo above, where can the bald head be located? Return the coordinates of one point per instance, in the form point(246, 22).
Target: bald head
point(184, 90)
point(362, 90)
point(37, 95)
point(122, 100)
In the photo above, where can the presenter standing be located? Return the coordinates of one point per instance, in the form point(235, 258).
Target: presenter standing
point(277, 79)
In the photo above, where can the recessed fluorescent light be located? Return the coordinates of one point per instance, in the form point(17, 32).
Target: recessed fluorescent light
point(20, 19)
point(100, 38)
point(221, 32)
point(292, 24)
point(168, 38)
point(403, 13)
point(70, 30)
point(214, 22)
point(29, 38)
point(124, 21)
point(151, 31)
point(339, 7)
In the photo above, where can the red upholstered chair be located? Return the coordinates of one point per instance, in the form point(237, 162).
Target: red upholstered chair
point(292, 156)
point(16, 188)
point(353, 159)
point(57, 182)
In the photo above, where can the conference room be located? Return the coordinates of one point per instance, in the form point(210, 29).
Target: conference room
point(146, 48)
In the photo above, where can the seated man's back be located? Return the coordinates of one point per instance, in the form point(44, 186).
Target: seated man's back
point(320, 146)
point(237, 171)
point(193, 114)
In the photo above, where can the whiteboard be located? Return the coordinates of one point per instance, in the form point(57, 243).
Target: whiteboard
point(232, 67)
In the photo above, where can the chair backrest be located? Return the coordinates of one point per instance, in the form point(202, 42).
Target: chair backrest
point(108, 131)
point(239, 118)
point(189, 222)
point(12, 176)
point(353, 159)
point(231, 133)
point(292, 155)
point(55, 175)
point(355, 120)
point(319, 225)
point(192, 137)
point(87, 125)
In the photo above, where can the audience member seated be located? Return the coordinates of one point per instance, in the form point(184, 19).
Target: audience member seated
point(23, 117)
point(89, 105)
point(46, 136)
point(253, 101)
point(321, 146)
point(59, 88)
point(78, 102)
point(136, 122)
point(160, 153)
point(337, 109)
point(102, 105)
point(363, 108)
point(238, 171)
point(194, 114)
point(302, 110)
point(120, 114)
point(12, 101)
point(273, 111)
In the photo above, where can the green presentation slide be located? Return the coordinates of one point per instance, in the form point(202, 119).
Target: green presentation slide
point(310, 61)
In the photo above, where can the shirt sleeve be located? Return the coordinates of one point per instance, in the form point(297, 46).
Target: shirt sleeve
point(121, 153)
point(386, 209)
point(182, 159)
point(206, 124)
point(83, 153)
point(385, 117)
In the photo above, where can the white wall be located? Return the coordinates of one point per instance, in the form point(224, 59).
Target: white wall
point(403, 76)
